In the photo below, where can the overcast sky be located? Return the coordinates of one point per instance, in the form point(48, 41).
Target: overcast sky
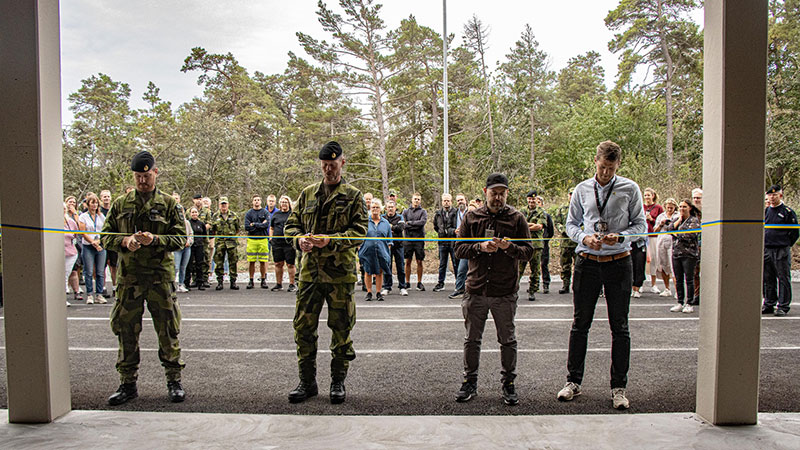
point(147, 40)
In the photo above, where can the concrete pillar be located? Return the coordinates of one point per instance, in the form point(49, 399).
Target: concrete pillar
point(31, 194)
point(734, 114)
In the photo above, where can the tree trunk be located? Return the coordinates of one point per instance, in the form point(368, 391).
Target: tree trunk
point(668, 91)
point(378, 103)
point(533, 148)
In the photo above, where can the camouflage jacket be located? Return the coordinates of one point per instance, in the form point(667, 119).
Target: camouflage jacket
point(343, 213)
point(227, 226)
point(160, 216)
point(205, 215)
point(560, 220)
point(536, 215)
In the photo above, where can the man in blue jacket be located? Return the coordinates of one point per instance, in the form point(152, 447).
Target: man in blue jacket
point(778, 244)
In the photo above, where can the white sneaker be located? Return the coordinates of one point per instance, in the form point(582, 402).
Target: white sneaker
point(677, 308)
point(688, 309)
point(618, 399)
point(665, 293)
point(403, 292)
point(99, 299)
point(384, 292)
point(89, 300)
point(569, 391)
point(68, 304)
point(655, 290)
point(181, 288)
point(637, 294)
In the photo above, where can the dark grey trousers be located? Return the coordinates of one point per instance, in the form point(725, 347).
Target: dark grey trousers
point(476, 310)
point(778, 277)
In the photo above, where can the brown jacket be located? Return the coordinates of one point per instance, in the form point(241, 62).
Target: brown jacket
point(494, 274)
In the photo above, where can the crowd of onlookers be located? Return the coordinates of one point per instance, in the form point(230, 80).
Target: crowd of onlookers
point(671, 257)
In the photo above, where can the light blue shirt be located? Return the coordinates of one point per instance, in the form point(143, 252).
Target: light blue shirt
point(460, 217)
point(624, 213)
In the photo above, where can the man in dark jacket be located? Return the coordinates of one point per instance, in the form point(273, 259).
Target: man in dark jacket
point(492, 282)
point(778, 244)
point(396, 252)
point(415, 218)
point(256, 223)
point(444, 223)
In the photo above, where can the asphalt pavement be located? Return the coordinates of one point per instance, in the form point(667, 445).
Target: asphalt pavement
point(240, 358)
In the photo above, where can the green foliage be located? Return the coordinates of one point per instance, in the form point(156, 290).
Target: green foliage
point(378, 91)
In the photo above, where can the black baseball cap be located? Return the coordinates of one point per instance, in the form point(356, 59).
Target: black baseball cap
point(496, 179)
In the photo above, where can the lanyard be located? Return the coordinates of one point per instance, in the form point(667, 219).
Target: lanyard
point(602, 207)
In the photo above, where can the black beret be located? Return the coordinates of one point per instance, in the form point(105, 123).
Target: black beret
point(774, 189)
point(143, 162)
point(531, 193)
point(197, 196)
point(496, 179)
point(330, 151)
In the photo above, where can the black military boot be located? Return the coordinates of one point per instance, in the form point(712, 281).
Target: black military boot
point(546, 289)
point(337, 392)
point(303, 391)
point(126, 391)
point(175, 392)
point(250, 284)
point(531, 297)
point(219, 285)
point(565, 289)
point(234, 287)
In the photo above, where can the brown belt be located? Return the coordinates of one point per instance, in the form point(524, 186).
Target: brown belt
point(605, 258)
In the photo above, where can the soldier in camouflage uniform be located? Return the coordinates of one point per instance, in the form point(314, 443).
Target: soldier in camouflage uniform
point(225, 223)
point(567, 245)
point(537, 220)
point(325, 210)
point(151, 229)
point(207, 217)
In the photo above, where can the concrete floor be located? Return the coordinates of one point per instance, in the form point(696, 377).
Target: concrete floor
point(145, 430)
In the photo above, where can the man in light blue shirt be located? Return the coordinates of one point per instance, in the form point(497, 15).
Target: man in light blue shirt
point(603, 212)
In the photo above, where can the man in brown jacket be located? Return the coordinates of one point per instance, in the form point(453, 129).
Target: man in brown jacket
point(492, 282)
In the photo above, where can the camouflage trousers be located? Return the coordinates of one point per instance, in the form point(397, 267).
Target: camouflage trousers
point(219, 262)
point(567, 259)
point(536, 270)
point(206, 262)
point(341, 319)
point(126, 323)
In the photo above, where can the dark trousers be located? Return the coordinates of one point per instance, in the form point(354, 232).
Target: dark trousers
point(445, 252)
point(461, 276)
point(777, 277)
point(197, 266)
point(683, 267)
point(546, 264)
point(639, 261)
point(396, 254)
point(615, 277)
point(475, 309)
point(697, 278)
